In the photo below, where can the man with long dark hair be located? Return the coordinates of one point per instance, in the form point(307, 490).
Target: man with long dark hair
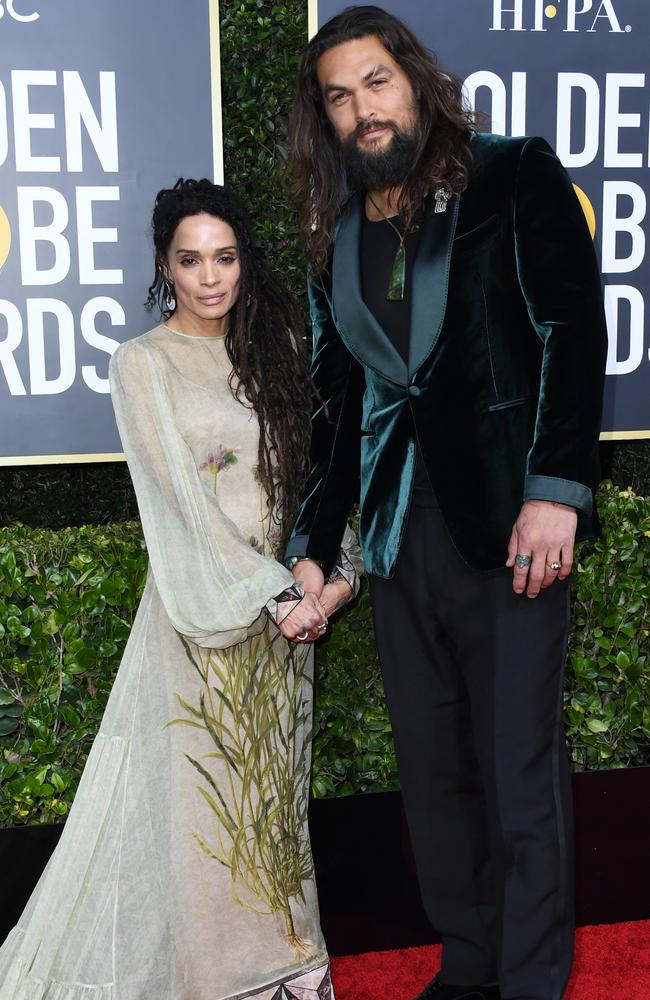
point(459, 345)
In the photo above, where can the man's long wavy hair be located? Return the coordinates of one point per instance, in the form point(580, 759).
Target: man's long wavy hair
point(443, 145)
point(265, 342)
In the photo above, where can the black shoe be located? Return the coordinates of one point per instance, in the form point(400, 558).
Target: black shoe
point(435, 990)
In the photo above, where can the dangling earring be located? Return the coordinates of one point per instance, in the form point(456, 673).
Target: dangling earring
point(248, 300)
point(168, 293)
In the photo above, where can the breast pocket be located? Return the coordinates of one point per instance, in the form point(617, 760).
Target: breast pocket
point(479, 238)
point(508, 404)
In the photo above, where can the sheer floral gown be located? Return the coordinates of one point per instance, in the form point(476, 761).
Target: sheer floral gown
point(184, 871)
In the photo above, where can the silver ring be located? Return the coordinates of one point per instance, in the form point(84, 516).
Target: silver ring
point(554, 565)
point(321, 628)
point(522, 561)
point(301, 637)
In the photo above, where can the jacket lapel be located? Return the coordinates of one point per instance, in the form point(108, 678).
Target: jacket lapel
point(430, 282)
point(357, 326)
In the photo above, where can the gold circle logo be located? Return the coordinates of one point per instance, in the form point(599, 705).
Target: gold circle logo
point(550, 10)
point(587, 208)
point(5, 236)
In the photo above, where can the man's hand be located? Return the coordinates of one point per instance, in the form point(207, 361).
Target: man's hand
point(310, 576)
point(546, 531)
point(335, 595)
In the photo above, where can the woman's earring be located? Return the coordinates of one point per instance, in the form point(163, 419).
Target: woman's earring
point(168, 291)
point(248, 300)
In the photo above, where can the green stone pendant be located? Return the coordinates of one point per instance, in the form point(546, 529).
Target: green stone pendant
point(398, 276)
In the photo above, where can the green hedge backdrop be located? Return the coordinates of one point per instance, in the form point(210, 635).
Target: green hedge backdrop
point(67, 600)
point(68, 593)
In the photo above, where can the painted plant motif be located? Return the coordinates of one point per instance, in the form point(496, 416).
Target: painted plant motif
point(217, 461)
point(255, 704)
point(270, 520)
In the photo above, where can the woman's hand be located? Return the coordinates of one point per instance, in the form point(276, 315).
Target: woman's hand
point(306, 622)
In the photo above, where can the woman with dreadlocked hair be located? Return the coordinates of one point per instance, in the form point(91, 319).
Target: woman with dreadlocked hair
point(184, 871)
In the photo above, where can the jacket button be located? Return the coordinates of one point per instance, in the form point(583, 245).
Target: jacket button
point(414, 390)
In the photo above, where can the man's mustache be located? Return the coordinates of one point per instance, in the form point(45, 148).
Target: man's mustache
point(369, 126)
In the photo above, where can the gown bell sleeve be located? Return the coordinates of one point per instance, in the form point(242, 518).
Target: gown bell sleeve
point(212, 583)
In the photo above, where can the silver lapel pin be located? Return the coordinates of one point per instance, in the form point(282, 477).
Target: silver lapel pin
point(442, 196)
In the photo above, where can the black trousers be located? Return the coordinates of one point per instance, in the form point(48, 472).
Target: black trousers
point(473, 676)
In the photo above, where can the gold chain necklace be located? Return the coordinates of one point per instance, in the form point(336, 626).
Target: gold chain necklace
point(397, 280)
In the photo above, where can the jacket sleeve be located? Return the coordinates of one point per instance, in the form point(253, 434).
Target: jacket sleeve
point(332, 483)
point(559, 277)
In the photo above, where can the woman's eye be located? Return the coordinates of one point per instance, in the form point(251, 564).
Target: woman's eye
point(226, 258)
point(185, 261)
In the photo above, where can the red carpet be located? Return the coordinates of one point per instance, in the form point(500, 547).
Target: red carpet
point(612, 962)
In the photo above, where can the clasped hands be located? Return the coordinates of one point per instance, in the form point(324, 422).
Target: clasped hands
point(308, 619)
point(544, 531)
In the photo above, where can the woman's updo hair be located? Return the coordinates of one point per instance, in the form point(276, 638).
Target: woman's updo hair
point(265, 341)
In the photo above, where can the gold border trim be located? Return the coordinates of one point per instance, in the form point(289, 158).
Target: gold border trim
point(215, 78)
point(112, 456)
point(118, 456)
point(312, 18)
point(624, 435)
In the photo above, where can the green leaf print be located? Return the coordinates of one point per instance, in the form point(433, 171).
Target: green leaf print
point(255, 705)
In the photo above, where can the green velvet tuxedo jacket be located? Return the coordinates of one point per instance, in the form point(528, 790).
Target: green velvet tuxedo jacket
point(504, 380)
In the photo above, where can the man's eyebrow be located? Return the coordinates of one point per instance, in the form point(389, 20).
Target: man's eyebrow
point(330, 87)
point(375, 71)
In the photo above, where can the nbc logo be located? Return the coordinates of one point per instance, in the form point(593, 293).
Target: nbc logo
point(9, 7)
point(574, 15)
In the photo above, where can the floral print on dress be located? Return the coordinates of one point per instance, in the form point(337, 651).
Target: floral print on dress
point(218, 461)
point(274, 537)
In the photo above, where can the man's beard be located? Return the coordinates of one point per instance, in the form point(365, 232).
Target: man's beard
point(386, 167)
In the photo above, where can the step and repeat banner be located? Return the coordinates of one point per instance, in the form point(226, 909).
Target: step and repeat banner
point(101, 105)
point(575, 72)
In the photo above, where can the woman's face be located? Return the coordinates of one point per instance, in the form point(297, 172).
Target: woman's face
point(203, 264)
